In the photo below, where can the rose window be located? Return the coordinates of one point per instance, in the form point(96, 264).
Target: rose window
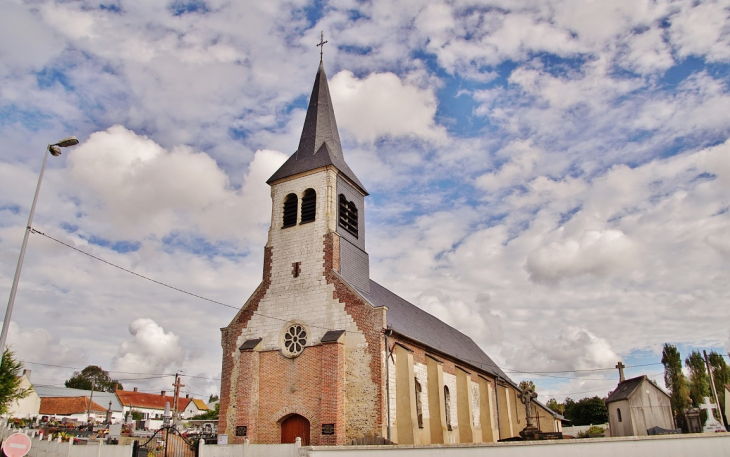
point(295, 339)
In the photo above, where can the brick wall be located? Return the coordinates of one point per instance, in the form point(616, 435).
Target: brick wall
point(333, 383)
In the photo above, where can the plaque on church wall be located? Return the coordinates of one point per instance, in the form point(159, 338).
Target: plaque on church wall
point(241, 430)
point(328, 429)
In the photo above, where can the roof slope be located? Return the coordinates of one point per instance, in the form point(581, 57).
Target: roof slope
point(200, 404)
point(625, 389)
point(102, 398)
point(150, 401)
point(411, 321)
point(319, 144)
point(68, 405)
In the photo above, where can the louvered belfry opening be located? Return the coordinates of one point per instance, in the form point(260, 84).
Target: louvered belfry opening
point(348, 215)
point(309, 205)
point(290, 211)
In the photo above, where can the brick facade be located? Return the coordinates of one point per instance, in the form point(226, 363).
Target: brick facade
point(336, 383)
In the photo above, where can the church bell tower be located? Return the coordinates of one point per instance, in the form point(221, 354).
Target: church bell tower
point(306, 344)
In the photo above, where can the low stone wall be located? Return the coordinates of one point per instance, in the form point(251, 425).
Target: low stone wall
point(716, 445)
point(575, 429)
point(249, 450)
point(40, 447)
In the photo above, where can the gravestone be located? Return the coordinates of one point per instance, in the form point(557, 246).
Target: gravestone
point(711, 424)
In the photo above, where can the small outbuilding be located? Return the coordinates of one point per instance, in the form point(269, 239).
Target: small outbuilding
point(637, 405)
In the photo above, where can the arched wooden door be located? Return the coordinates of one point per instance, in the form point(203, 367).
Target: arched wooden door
point(295, 426)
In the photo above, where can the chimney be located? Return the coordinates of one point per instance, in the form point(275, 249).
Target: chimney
point(135, 389)
point(187, 395)
point(163, 393)
point(26, 373)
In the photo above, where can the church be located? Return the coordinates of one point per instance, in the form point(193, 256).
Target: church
point(322, 352)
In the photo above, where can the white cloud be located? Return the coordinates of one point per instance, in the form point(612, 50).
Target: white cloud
point(596, 252)
point(152, 350)
point(478, 322)
point(522, 159)
point(574, 348)
point(701, 29)
point(382, 105)
point(25, 42)
point(139, 187)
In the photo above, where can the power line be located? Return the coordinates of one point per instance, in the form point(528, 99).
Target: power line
point(34, 231)
point(156, 375)
point(130, 271)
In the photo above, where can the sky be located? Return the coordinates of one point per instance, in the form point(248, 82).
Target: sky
point(552, 178)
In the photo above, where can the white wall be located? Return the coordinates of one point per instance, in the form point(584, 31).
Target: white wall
point(665, 446)
point(45, 448)
point(250, 450)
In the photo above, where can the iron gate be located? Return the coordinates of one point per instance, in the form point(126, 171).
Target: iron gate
point(166, 442)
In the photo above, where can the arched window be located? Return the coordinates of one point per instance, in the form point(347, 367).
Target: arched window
point(618, 410)
point(348, 215)
point(447, 407)
point(419, 406)
point(309, 205)
point(290, 211)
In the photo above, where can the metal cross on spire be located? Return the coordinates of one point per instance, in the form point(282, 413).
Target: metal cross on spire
point(321, 45)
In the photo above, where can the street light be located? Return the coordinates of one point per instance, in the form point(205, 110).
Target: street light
point(55, 150)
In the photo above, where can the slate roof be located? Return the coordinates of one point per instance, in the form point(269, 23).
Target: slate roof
point(102, 398)
point(625, 389)
point(68, 405)
point(411, 321)
point(249, 344)
point(319, 145)
point(150, 401)
point(331, 335)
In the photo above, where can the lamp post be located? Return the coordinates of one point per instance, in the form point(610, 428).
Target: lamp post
point(55, 150)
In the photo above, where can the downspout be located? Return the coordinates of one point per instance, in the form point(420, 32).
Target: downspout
point(387, 378)
point(496, 395)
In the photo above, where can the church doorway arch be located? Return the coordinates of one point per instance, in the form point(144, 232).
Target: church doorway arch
point(295, 426)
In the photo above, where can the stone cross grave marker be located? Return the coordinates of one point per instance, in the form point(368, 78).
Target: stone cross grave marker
point(711, 424)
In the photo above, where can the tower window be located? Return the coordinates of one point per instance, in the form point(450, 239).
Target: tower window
point(290, 210)
point(348, 215)
point(309, 205)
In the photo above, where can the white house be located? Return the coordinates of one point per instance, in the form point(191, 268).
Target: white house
point(152, 406)
point(75, 408)
point(29, 406)
point(107, 400)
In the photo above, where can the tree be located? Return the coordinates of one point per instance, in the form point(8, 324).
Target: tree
point(93, 376)
point(10, 373)
point(587, 411)
point(699, 383)
point(720, 374)
point(212, 398)
point(555, 406)
point(527, 385)
point(676, 382)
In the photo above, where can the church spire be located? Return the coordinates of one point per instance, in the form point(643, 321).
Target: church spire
point(320, 126)
point(319, 144)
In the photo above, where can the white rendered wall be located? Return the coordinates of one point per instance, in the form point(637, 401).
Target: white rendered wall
point(716, 445)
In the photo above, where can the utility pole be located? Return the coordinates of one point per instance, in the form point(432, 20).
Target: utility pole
point(177, 386)
point(712, 384)
point(91, 398)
